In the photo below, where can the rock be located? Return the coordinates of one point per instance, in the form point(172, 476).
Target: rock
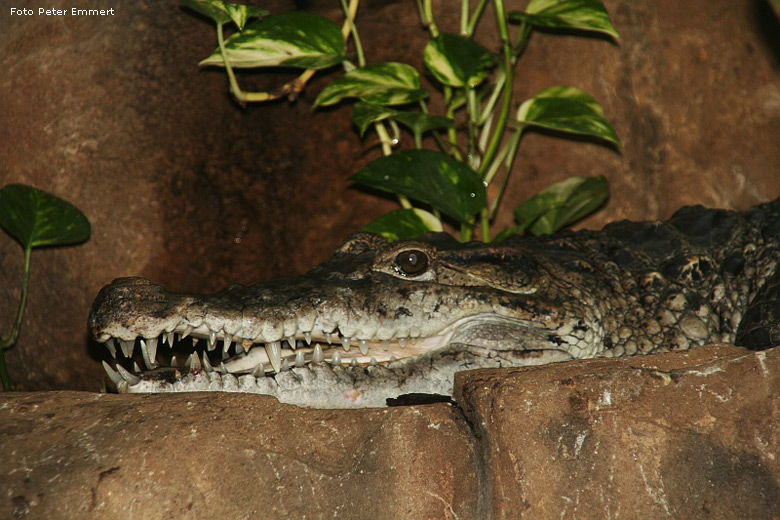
point(683, 435)
point(187, 189)
point(79, 455)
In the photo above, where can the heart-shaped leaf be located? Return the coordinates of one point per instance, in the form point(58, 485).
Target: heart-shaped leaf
point(363, 114)
point(294, 39)
point(580, 15)
point(428, 176)
point(458, 61)
point(381, 84)
point(404, 223)
point(561, 204)
point(223, 12)
point(568, 110)
point(36, 218)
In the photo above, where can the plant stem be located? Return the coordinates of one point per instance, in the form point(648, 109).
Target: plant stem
point(464, 17)
point(503, 31)
point(475, 19)
point(350, 27)
point(387, 149)
point(511, 153)
point(234, 88)
point(452, 132)
point(11, 340)
point(485, 221)
point(427, 12)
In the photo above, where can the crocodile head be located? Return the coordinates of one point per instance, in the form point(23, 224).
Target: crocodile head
point(376, 321)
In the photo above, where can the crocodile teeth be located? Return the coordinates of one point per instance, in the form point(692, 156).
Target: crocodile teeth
point(212, 342)
point(402, 342)
point(170, 338)
point(258, 371)
point(148, 353)
point(373, 362)
point(127, 347)
point(274, 351)
point(152, 342)
point(127, 376)
point(318, 357)
point(111, 346)
point(307, 337)
point(290, 341)
point(194, 361)
point(354, 362)
point(364, 347)
point(207, 364)
point(187, 330)
point(345, 343)
point(385, 344)
point(285, 365)
point(246, 344)
point(329, 337)
point(227, 340)
point(299, 360)
point(136, 367)
point(336, 359)
point(115, 377)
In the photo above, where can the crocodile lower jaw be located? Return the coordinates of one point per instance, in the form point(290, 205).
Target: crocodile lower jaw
point(190, 352)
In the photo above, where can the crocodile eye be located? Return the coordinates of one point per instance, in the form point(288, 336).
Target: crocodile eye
point(411, 262)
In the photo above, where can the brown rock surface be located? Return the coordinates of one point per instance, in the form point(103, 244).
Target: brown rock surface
point(77, 455)
point(684, 435)
point(184, 187)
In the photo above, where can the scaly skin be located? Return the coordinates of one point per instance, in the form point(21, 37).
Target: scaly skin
point(378, 321)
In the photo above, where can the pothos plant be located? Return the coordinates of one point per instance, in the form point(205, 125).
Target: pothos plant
point(475, 139)
point(36, 219)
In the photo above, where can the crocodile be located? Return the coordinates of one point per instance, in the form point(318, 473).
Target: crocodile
point(382, 321)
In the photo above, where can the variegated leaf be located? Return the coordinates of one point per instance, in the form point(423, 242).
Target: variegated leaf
point(581, 15)
point(381, 84)
point(458, 61)
point(562, 204)
point(569, 110)
point(37, 218)
point(428, 176)
point(223, 12)
point(403, 224)
point(294, 39)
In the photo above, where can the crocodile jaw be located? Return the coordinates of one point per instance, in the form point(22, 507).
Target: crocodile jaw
point(307, 360)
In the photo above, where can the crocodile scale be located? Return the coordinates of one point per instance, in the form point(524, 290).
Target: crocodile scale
point(380, 320)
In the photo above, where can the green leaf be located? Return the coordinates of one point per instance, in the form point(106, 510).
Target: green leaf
point(568, 110)
point(404, 223)
point(364, 114)
point(223, 12)
point(420, 123)
point(294, 39)
point(561, 204)
point(36, 218)
point(580, 15)
point(428, 176)
point(381, 83)
point(458, 61)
